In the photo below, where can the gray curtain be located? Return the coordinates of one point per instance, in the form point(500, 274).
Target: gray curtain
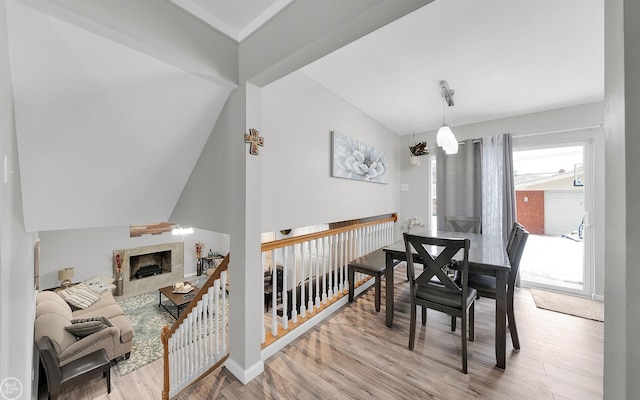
point(509, 199)
point(498, 196)
point(459, 182)
point(461, 178)
point(509, 210)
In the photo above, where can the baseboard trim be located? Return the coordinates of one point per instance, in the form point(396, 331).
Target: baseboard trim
point(244, 376)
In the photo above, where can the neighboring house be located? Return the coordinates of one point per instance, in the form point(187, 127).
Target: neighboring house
point(288, 185)
point(549, 204)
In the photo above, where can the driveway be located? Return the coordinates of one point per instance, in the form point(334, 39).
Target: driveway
point(553, 260)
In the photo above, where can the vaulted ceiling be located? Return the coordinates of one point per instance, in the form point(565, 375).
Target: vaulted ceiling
point(106, 134)
point(109, 128)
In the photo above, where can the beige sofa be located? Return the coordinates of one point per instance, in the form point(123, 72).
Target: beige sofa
point(53, 314)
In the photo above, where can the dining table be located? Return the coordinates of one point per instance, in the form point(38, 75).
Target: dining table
point(487, 256)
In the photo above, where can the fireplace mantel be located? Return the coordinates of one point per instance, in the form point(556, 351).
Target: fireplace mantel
point(134, 287)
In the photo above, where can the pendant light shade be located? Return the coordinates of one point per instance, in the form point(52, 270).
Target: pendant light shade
point(446, 139)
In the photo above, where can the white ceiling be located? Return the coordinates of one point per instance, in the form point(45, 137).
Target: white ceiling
point(236, 19)
point(502, 58)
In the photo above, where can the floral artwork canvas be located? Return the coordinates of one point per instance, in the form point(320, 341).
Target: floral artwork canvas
point(358, 161)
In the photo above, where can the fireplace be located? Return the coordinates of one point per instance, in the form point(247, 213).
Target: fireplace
point(145, 265)
point(161, 265)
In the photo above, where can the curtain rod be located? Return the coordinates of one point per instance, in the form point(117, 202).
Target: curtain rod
point(548, 132)
point(561, 131)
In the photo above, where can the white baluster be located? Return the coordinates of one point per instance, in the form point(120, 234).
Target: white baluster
point(371, 242)
point(172, 361)
point(349, 238)
point(384, 234)
point(338, 283)
point(365, 240)
point(263, 332)
point(344, 262)
point(208, 347)
point(199, 330)
point(331, 244)
point(303, 308)
point(325, 262)
point(285, 294)
point(223, 321)
point(215, 308)
point(189, 345)
point(310, 276)
point(274, 293)
point(336, 244)
point(285, 290)
point(318, 260)
point(181, 355)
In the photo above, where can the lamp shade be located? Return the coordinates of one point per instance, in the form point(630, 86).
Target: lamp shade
point(65, 274)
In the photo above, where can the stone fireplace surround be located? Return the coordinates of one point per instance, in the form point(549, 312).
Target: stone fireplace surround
point(133, 287)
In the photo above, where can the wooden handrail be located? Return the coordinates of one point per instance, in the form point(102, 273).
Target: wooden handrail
point(276, 244)
point(224, 265)
point(167, 331)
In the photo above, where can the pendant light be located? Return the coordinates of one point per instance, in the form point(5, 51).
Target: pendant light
point(446, 139)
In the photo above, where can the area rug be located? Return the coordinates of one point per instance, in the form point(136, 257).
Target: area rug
point(147, 320)
point(572, 305)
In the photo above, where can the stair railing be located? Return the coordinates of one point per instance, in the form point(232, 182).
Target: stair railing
point(196, 344)
point(309, 272)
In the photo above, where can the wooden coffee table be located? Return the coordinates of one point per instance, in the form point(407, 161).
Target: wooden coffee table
point(175, 301)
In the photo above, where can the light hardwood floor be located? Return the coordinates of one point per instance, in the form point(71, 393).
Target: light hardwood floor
point(353, 355)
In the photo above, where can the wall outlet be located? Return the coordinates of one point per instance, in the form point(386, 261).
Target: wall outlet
point(404, 187)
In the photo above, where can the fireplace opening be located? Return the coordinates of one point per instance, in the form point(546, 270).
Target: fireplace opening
point(145, 265)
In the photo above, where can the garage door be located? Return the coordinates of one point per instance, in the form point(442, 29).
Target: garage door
point(563, 210)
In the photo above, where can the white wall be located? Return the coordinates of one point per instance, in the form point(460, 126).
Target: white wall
point(206, 200)
point(90, 251)
point(298, 116)
point(622, 322)
point(223, 194)
point(562, 126)
point(17, 293)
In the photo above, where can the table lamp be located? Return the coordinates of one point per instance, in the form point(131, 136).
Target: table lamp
point(65, 275)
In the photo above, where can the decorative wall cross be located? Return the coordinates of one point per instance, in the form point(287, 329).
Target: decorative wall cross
point(255, 140)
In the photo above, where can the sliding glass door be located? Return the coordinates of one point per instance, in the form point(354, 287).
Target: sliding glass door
point(553, 195)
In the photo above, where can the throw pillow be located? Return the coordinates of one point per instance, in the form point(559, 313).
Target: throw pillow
point(79, 296)
point(104, 320)
point(100, 283)
point(85, 328)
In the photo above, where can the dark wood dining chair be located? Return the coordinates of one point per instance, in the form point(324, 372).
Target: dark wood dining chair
point(486, 285)
point(462, 224)
point(457, 300)
point(512, 233)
